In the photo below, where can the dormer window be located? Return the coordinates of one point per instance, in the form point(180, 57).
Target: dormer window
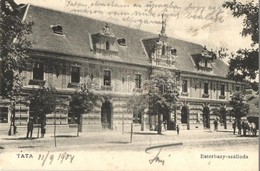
point(163, 50)
point(107, 45)
point(57, 29)
point(173, 51)
point(121, 42)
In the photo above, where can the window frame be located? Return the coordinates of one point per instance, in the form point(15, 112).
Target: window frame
point(4, 115)
point(38, 71)
point(108, 77)
point(237, 88)
point(185, 87)
point(73, 77)
point(206, 91)
point(107, 46)
point(222, 89)
point(138, 80)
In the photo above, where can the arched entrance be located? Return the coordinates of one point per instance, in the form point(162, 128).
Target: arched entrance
point(223, 116)
point(206, 117)
point(166, 121)
point(184, 114)
point(106, 115)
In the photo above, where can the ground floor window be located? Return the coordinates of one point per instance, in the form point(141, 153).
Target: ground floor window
point(3, 115)
point(106, 115)
point(137, 116)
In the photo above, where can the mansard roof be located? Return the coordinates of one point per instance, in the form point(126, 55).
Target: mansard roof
point(75, 40)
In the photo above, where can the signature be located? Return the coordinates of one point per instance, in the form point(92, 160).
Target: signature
point(156, 158)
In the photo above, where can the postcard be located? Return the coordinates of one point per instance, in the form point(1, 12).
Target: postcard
point(129, 85)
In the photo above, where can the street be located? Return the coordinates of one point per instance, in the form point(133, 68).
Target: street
point(147, 150)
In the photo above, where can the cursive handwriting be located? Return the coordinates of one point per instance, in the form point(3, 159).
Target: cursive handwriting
point(211, 13)
point(149, 12)
point(156, 158)
point(51, 157)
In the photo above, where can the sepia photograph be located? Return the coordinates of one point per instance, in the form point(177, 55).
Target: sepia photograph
point(129, 85)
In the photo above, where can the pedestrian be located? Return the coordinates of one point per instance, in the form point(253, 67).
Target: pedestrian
point(178, 129)
point(43, 129)
point(244, 127)
point(215, 125)
point(239, 127)
point(165, 125)
point(30, 127)
point(234, 127)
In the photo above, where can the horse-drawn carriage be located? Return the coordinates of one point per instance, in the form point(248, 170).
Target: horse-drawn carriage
point(250, 127)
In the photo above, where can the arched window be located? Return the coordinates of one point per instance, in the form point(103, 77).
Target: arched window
point(107, 45)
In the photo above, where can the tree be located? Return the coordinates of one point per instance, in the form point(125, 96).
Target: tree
point(240, 108)
point(159, 95)
point(82, 101)
point(14, 50)
point(42, 101)
point(244, 63)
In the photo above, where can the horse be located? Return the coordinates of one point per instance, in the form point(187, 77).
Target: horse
point(251, 127)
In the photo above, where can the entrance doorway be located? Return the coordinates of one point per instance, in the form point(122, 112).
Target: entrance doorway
point(206, 117)
point(166, 121)
point(184, 114)
point(106, 115)
point(223, 117)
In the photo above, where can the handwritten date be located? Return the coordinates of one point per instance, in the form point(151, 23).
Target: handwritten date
point(49, 157)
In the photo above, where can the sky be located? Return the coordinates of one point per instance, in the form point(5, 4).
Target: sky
point(200, 21)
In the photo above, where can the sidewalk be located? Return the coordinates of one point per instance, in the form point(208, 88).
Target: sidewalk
point(116, 140)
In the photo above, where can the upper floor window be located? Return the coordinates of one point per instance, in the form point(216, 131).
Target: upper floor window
point(38, 71)
point(206, 88)
point(222, 90)
point(185, 86)
point(107, 45)
point(206, 63)
point(138, 80)
point(75, 74)
point(107, 78)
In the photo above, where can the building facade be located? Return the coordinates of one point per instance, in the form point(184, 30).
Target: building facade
point(69, 50)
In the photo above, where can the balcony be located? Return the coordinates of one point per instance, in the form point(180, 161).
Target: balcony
point(205, 95)
point(106, 88)
point(184, 93)
point(137, 90)
point(222, 97)
point(37, 82)
point(73, 85)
